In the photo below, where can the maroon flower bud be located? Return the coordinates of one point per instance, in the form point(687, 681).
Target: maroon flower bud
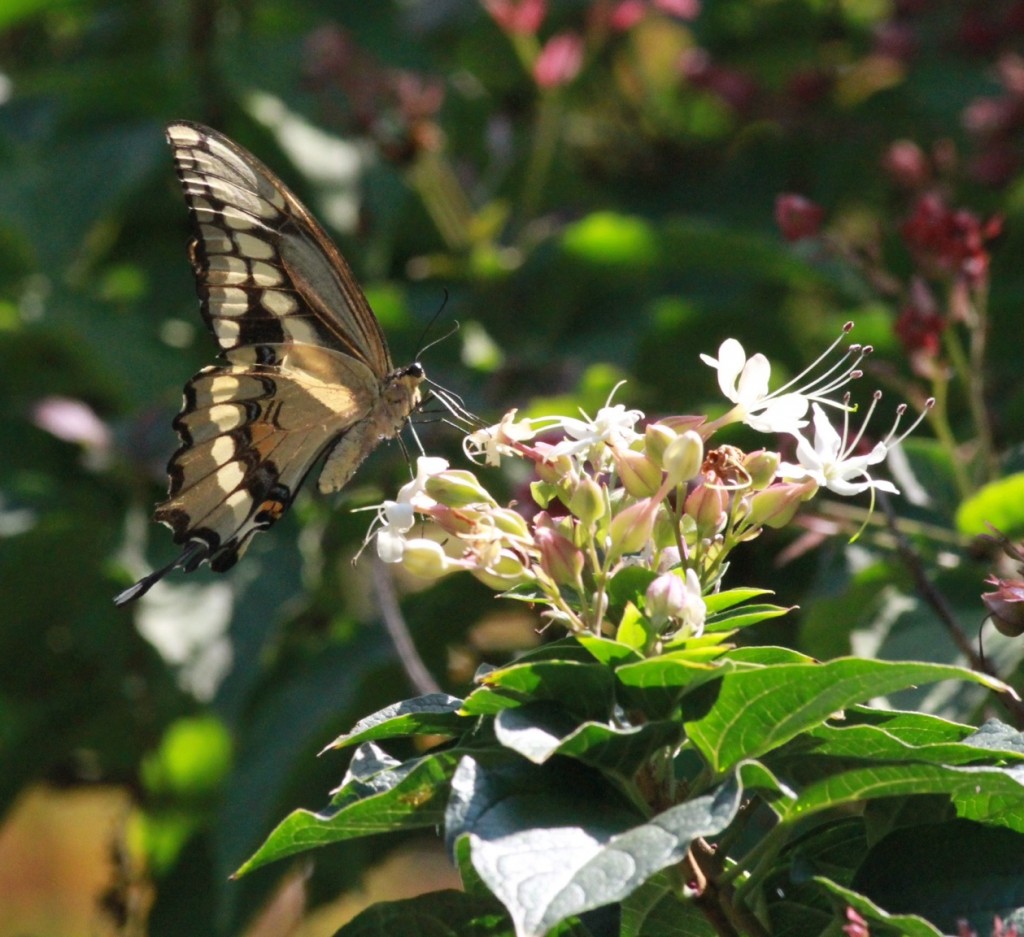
point(1006, 605)
point(797, 217)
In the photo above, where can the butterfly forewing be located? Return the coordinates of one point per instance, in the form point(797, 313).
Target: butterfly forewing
point(266, 272)
point(307, 366)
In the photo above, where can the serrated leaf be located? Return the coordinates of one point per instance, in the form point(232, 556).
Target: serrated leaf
point(433, 714)
point(409, 796)
point(756, 710)
point(437, 914)
point(551, 856)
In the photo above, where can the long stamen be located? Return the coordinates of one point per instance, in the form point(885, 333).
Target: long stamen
point(847, 328)
point(900, 410)
point(875, 397)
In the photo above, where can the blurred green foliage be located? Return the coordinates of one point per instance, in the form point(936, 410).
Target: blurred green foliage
point(613, 225)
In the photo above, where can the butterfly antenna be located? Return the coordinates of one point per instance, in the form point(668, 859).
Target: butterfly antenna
point(430, 325)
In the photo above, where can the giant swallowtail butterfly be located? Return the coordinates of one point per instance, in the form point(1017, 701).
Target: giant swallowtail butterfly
point(306, 368)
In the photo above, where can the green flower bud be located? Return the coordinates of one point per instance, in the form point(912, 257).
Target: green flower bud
point(776, 505)
point(683, 457)
point(556, 471)
point(457, 488)
point(427, 559)
point(587, 501)
point(657, 436)
point(761, 466)
point(639, 475)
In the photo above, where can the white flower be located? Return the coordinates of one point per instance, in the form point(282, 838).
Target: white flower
point(744, 381)
point(492, 442)
point(829, 461)
point(671, 597)
point(395, 520)
point(425, 467)
point(612, 426)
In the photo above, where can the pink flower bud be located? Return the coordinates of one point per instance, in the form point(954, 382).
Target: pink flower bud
point(706, 505)
point(559, 558)
point(518, 17)
point(630, 529)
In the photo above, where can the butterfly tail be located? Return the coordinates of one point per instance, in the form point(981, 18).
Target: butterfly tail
point(189, 559)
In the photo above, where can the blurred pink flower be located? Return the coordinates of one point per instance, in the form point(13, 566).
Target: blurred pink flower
point(520, 17)
point(72, 421)
point(559, 61)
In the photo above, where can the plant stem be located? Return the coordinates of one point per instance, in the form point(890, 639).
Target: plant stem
point(938, 418)
point(545, 137)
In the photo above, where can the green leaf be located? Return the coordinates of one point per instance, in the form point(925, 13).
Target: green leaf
point(1000, 503)
point(743, 617)
point(720, 601)
point(880, 923)
point(986, 794)
point(433, 714)
point(607, 651)
point(584, 689)
point(627, 586)
point(538, 731)
point(634, 630)
point(549, 845)
point(896, 739)
point(945, 872)
point(438, 914)
point(378, 795)
point(753, 711)
point(656, 910)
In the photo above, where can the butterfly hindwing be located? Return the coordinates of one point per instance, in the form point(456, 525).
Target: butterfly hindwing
point(306, 371)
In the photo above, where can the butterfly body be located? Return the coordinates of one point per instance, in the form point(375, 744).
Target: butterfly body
point(306, 366)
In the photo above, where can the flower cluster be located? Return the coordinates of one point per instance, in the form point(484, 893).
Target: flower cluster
point(611, 492)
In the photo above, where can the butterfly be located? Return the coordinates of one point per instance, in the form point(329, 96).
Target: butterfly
point(305, 366)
